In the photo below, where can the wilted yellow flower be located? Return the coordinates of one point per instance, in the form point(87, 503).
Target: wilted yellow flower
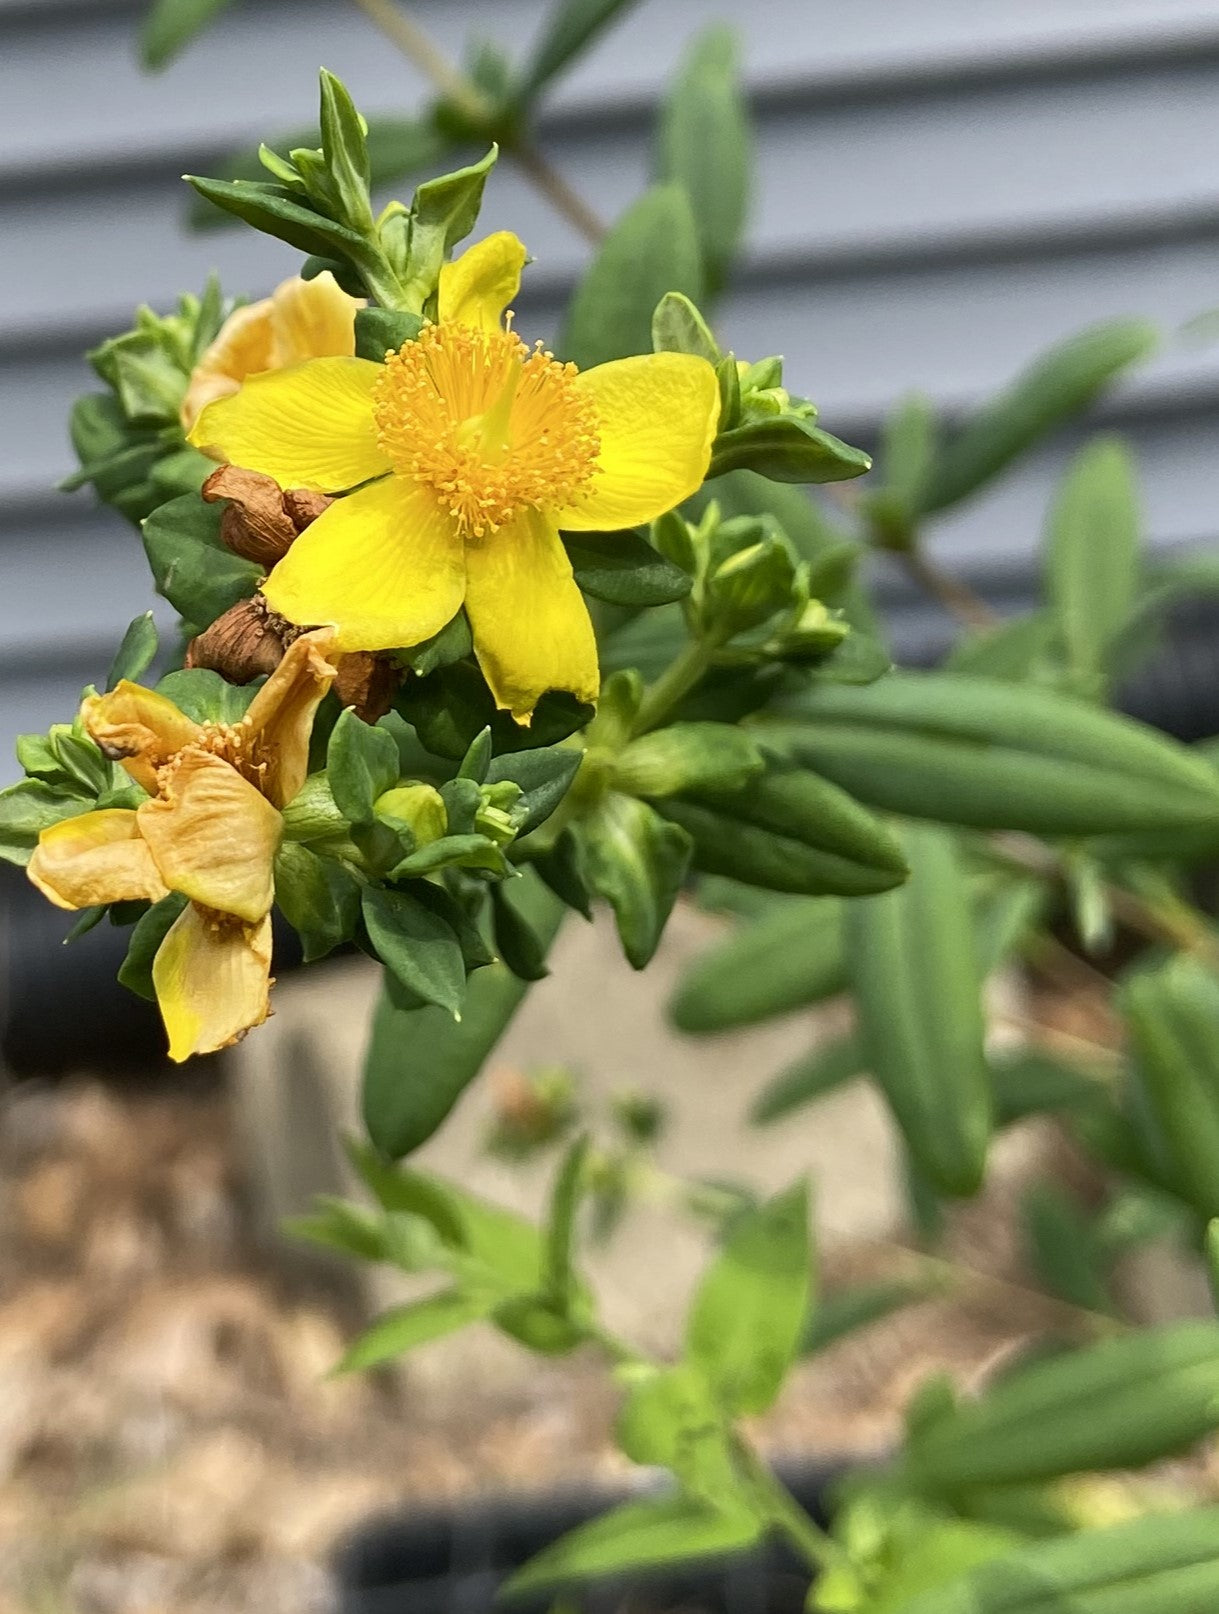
point(301, 319)
point(210, 830)
point(476, 451)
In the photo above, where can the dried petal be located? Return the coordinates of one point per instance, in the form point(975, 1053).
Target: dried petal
point(255, 524)
point(302, 505)
point(368, 682)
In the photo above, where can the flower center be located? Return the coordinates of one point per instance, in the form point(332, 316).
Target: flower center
point(235, 743)
point(489, 426)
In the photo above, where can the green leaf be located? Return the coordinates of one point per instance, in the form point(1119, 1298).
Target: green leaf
point(544, 777)
point(826, 1068)
point(748, 1312)
point(918, 995)
point(516, 941)
point(849, 1310)
point(151, 929)
point(1064, 1250)
point(687, 756)
point(1029, 1082)
point(418, 947)
point(1092, 555)
point(636, 862)
point(206, 696)
point(318, 898)
point(26, 809)
point(636, 1536)
point(346, 152)
point(171, 25)
point(1124, 1402)
point(1211, 1252)
point(1172, 1014)
point(1162, 1564)
point(361, 764)
point(679, 327)
point(275, 210)
point(420, 1061)
point(1060, 384)
point(453, 704)
point(403, 1327)
point(570, 26)
point(444, 211)
point(651, 250)
point(559, 1279)
point(670, 1420)
point(135, 654)
point(789, 959)
point(787, 448)
point(199, 577)
point(705, 146)
point(790, 831)
point(384, 330)
point(622, 568)
point(994, 755)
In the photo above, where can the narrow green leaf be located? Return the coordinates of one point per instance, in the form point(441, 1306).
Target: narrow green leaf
point(1060, 384)
point(544, 777)
point(849, 1310)
point(748, 1312)
point(171, 25)
point(559, 1277)
point(418, 948)
point(652, 249)
point(420, 1061)
point(401, 1328)
point(786, 448)
point(361, 765)
point(1092, 555)
point(135, 654)
point(1064, 1250)
point(993, 755)
point(276, 211)
point(637, 862)
point(918, 994)
point(570, 26)
point(828, 1066)
point(687, 756)
point(622, 568)
point(785, 960)
point(704, 145)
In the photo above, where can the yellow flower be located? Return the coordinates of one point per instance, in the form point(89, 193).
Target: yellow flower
point(210, 830)
point(302, 319)
point(490, 450)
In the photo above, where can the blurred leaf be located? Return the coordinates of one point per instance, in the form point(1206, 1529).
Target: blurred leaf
point(745, 1321)
point(930, 1557)
point(685, 756)
point(559, 1279)
point(1164, 1564)
point(849, 1310)
point(1172, 1013)
point(993, 755)
point(544, 777)
point(705, 145)
point(1059, 385)
point(1121, 1403)
point(830, 1065)
point(636, 1536)
point(1029, 1081)
point(1064, 1250)
point(570, 26)
point(420, 1060)
point(785, 960)
point(1019, 650)
point(403, 1327)
point(637, 862)
point(136, 652)
point(670, 1420)
point(1212, 1258)
point(651, 250)
point(1092, 555)
point(171, 25)
point(918, 993)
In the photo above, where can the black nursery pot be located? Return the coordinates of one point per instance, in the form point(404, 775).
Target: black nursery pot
point(455, 1561)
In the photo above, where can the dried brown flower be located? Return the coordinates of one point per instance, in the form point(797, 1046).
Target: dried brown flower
point(261, 520)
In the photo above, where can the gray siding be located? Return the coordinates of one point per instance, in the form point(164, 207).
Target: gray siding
point(945, 185)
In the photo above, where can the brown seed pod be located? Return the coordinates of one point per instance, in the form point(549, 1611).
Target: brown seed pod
point(247, 642)
point(261, 520)
point(368, 682)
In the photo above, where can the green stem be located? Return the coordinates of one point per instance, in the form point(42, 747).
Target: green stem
point(818, 1550)
point(673, 685)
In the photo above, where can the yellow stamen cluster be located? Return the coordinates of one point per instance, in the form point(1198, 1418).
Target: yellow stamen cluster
point(235, 743)
point(490, 426)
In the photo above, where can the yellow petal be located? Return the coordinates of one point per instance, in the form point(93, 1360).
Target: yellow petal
point(383, 566)
point(530, 624)
point(139, 728)
point(213, 837)
point(98, 857)
point(213, 979)
point(308, 426)
point(312, 319)
point(281, 714)
point(476, 288)
point(656, 417)
point(243, 346)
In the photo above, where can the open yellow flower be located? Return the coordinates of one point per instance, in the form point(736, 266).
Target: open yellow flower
point(301, 319)
point(467, 453)
point(210, 830)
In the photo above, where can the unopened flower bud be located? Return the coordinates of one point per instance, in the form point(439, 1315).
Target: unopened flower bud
point(247, 642)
